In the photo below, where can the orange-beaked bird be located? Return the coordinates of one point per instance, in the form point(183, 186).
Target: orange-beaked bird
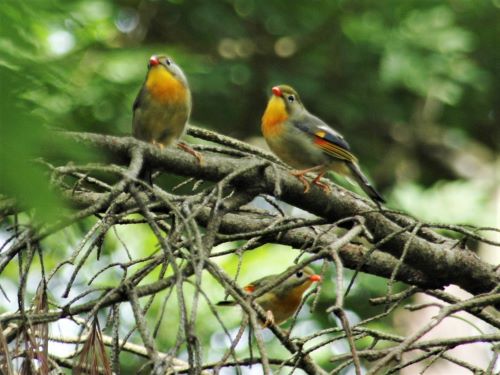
point(307, 143)
point(163, 105)
point(281, 302)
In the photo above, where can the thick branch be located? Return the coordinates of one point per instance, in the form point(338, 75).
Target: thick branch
point(440, 262)
point(353, 255)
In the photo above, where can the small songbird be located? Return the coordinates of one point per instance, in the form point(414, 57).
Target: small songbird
point(281, 302)
point(307, 143)
point(163, 105)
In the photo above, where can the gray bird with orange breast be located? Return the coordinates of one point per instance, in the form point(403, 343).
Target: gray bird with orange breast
point(307, 143)
point(163, 105)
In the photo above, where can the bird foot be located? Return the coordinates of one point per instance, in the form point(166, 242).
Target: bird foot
point(320, 184)
point(189, 150)
point(307, 186)
point(300, 176)
point(269, 319)
point(157, 144)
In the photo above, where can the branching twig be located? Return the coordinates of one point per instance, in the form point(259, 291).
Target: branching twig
point(220, 209)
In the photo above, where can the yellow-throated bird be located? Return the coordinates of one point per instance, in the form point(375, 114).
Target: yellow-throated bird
point(163, 105)
point(307, 143)
point(282, 301)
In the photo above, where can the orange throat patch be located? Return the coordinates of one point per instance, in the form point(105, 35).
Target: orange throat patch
point(274, 117)
point(293, 298)
point(299, 290)
point(164, 87)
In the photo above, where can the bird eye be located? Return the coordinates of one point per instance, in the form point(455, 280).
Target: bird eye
point(291, 98)
point(168, 61)
point(299, 274)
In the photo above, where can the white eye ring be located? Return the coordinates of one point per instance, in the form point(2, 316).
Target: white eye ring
point(299, 274)
point(291, 98)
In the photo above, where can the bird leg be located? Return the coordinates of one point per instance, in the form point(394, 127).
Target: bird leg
point(157, 144)
point(189, 150)
point(302, 179)
point(269, 319)
point(320, 184)
point(300, 175)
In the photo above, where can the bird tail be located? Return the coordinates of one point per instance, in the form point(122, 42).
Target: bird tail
point(364, 183)
point(226, 303)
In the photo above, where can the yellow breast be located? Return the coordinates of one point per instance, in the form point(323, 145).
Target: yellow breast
point(283, 306)
point(274, 117)
point(164, 87)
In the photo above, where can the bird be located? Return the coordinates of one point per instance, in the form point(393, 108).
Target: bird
point(308, 144)
point(283, 300)
point(162, 107)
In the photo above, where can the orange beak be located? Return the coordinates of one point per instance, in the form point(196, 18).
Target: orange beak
point(154, 61)
point(315, 278)
point(277, 91)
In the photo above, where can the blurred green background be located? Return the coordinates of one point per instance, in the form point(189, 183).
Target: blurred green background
point(413, 86)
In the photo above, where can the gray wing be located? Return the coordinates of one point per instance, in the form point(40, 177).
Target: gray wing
point(325, 138)
point(138, 100)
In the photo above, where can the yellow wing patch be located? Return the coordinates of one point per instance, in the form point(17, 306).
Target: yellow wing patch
point(320, 134)
point(164, 87)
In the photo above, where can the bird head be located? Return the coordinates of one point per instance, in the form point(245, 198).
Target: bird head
point(165, 79)
point(284, 102)
point(287, 93)
point(295, 284)
point(289, 97)
point(162, 62)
